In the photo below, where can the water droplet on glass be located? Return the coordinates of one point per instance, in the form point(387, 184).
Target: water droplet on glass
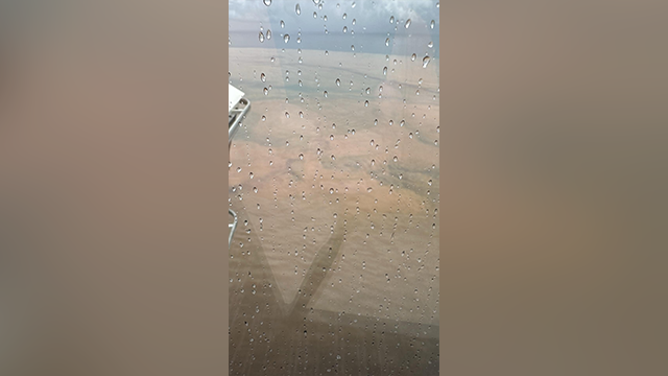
point(265, 91)
point(368, 90)
point(282, 24)
point(326, 53)
point(268, 34)
point(261, 37)
point(430, 44)
point(315, 15)
point(250, 175)
point(354, 22)
point(333, 157)
point(371, 143)
point(301, 156)
point(325, 93)
point(287, 115)
point(286, 38)
point(345, 29)
point(366, 103)
point(272, 59)
point(369, 189)
point(384, 71)
point(345, 15)
point(298, 9)
point(387, 42)
point(352, 47)
point(391, 19)
point(263, 77)
point(432, 24)
point(408, 23)
point(395, 159)
point(410, 135)
point(403, 122)
point(338, 82)
point(425, 61)
point(267, 2)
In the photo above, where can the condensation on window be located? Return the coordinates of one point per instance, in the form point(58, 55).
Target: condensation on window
point(334, 175)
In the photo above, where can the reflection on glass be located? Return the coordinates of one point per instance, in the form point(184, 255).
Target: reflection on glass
point(334, 177)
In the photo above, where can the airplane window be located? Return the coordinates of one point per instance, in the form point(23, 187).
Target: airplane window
point(334, 178)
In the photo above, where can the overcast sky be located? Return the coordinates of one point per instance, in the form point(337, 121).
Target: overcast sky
point(372, 15)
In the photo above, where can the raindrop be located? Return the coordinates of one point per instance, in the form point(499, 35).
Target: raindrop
point(425, 61)
point(251, 175)
point(366, 103)
point(384, 71)
point(391, 19)
point(298, 9)
point(387, 42)
point(331, 191)
point(420, 81)
point(354, 22)
point(325, 93)
point(282, 24)
point(408, 23)
point(301, 156)
point(315, 15)
point(333, 157)
point(352, 47)
point(338, 82)
point(267, 2)
point(261, 37)
point(403, 122)
point(369, 189)
point(266, 91)
point(431, 25)
point(345, 29)
point(272, 59)
point(286, 38)
point(299, 40)
point(268, 34)
point(368, 90)
point(262, 77)
point(395, 159)
point(345, 15)
point(413, 57)
point(287, 115)
point(324, 18)
point(430, 44)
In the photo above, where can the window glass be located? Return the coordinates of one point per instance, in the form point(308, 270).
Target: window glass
point(334, 175)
